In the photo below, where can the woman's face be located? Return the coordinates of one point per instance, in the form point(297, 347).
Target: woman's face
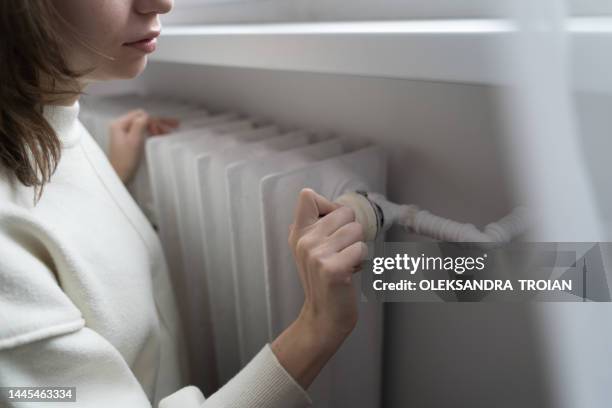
point(112, 36)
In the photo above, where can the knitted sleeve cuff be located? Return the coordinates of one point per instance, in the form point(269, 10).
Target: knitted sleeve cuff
point(263, 383)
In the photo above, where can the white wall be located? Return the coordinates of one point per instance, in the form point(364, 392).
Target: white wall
point(235, 11)
point(442, 138)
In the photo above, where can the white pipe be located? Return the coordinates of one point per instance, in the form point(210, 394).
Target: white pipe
point(425, 223)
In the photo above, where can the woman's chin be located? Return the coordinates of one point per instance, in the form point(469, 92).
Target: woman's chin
point(120, 69)
point(132, 69)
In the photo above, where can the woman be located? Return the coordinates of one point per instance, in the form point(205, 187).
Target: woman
point(85, 299)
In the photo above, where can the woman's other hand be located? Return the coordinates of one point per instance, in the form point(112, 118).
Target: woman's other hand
point(127, 136)
point(328, 248)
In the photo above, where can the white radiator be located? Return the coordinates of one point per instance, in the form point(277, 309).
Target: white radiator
point(221, 190)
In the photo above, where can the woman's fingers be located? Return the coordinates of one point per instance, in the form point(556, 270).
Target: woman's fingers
point(168, 122)
point(155, 125)
point(310, 207)
point(340, 267)
point(345, 236)
point(124, 122)
point(152, 128)
point(331, 222)
point(161, 126)
point(165, 129)
point(353, 255)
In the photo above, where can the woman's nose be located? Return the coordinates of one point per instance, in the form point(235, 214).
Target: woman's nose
point(154, 6)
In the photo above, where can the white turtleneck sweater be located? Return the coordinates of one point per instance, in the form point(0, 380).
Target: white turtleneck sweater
point(85, 298)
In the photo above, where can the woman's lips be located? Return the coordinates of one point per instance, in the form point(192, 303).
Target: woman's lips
point(147, 45)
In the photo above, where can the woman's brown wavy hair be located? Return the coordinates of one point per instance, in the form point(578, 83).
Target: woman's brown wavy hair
point(33, 72)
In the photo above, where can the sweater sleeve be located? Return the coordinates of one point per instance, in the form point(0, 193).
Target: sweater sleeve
point(263, 383)
point(84, 360)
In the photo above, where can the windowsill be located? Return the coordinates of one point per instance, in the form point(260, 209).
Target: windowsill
point(470, 51)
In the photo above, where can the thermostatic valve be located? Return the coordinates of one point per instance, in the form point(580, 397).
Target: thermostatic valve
point(367, 213)
point(377, 214)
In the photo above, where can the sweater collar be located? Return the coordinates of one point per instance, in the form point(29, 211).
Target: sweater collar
point(64, 121)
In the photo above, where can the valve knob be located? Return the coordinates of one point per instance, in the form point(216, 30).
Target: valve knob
point(367, 213)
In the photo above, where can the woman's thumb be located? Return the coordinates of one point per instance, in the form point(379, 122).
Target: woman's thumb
point(310, 207)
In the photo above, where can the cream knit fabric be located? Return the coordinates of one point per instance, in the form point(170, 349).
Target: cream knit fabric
point(85, 298)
